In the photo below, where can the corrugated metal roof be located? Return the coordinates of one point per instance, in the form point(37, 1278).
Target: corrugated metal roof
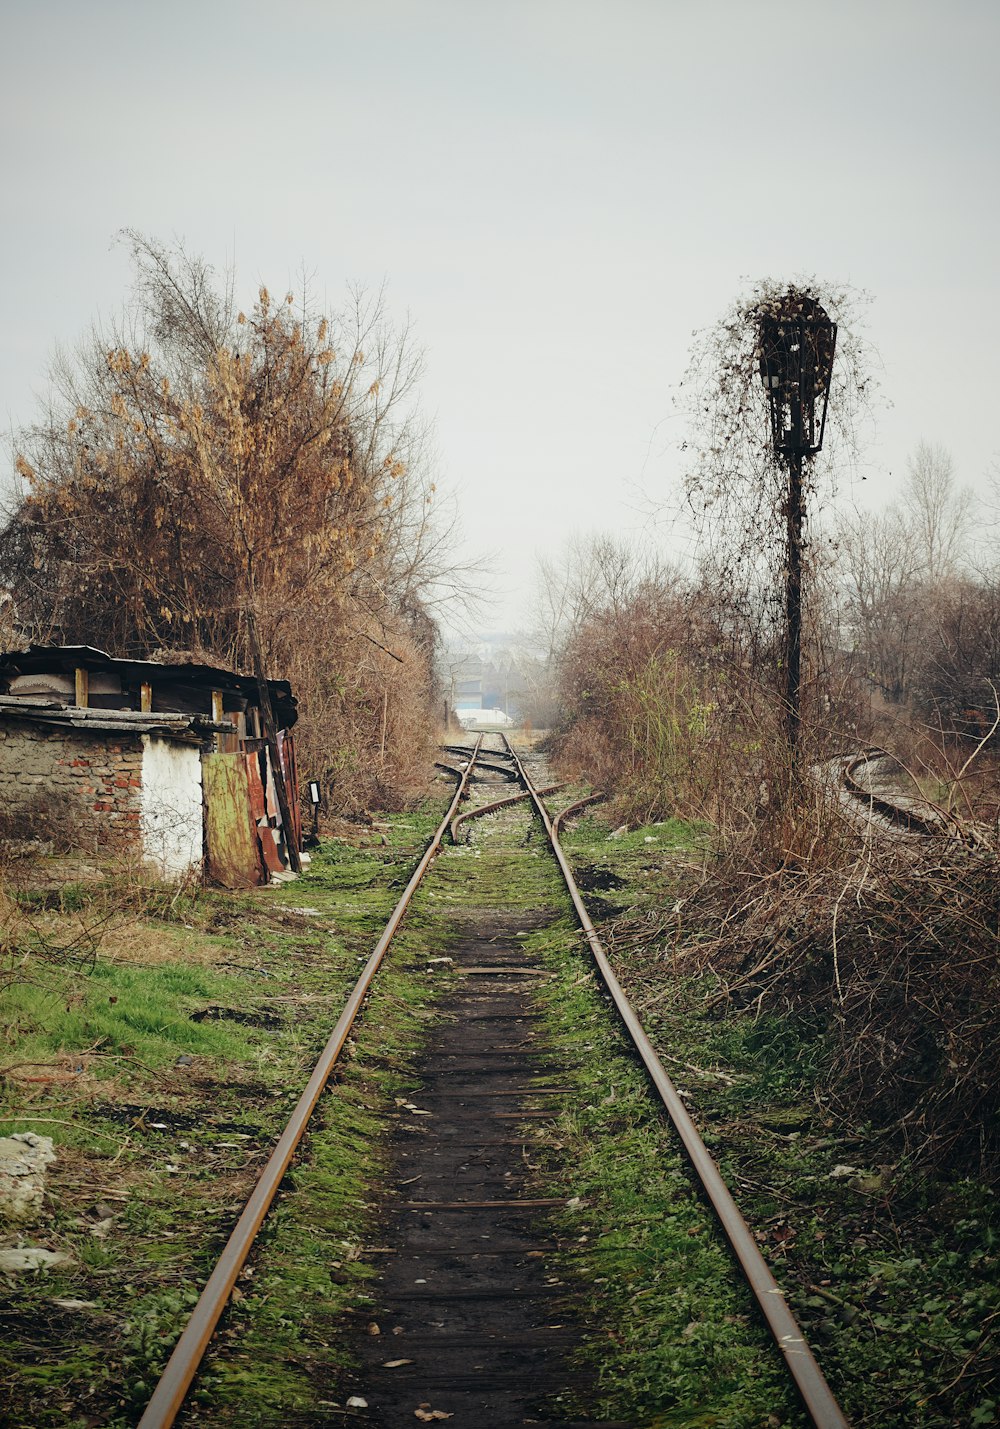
point(38, 659)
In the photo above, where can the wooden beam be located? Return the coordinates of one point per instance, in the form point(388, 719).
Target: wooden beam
point(145, 697)
point(82, 688)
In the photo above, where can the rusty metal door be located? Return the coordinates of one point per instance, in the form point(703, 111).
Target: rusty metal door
point(232, 856)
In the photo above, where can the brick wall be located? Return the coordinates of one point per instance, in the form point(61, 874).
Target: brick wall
point(78, 787)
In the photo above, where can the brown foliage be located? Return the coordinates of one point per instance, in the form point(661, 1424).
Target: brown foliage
point(669, 700)
point(895, 942)
point(220, 481)
point(902, 941)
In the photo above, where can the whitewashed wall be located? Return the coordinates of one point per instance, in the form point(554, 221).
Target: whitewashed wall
point(171, 818)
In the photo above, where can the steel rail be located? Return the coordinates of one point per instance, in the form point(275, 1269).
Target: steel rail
point(181, 1368)
point(497, 768)
point(937, 823)
point(460, 819)
point(448, 768)
point(574, 809)
point(823, 1409)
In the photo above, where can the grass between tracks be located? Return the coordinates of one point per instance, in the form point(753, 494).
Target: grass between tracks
point(668, 1335)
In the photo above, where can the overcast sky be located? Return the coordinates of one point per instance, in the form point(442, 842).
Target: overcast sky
point(558, 192)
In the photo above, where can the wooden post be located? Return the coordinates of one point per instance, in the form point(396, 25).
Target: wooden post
point(793, 604)
point(145, 697)
point(217, 713)
point(271, 736)
point(82, 686)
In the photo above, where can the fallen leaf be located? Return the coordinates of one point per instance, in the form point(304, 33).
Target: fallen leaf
point(394, 1364)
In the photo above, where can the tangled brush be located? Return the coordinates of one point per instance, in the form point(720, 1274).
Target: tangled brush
point(901, 947)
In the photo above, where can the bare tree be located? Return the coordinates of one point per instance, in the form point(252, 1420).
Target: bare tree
point(751, 504)
point(881, 571)
point(234, 483)
point(939, 513)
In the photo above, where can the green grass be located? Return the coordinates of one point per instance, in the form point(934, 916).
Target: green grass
point(133, 1011)
point(686, 1345)
point(893, 1276)
point(171, 1117)
point(283, 1346)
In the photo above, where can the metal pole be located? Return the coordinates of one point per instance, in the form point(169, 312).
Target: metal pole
point(793, 602)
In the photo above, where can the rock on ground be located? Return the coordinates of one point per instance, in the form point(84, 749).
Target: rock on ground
point(24, 1159)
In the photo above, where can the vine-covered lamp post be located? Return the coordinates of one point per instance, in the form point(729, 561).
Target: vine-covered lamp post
point(797, 341)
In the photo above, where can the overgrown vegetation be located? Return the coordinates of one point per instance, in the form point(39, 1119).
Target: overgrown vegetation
point(165, 1072)
point(890, 1268)
point(673, 700)
point(250, 488)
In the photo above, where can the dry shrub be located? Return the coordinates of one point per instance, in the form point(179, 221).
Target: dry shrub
point(670, 706)
point(365, 729)
point(29, 944)
point(256, 486)
point(642, 716)
point(892, 938)
point(902, 942)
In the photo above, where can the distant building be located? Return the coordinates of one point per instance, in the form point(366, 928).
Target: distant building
point(485, 719)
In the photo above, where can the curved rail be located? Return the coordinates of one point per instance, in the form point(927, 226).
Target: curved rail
point(899, 814)
point(574, 809)
point(183, 1364)
point(492, 808)
point(817, 1397)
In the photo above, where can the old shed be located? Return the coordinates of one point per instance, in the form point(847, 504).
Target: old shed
point(162, 762)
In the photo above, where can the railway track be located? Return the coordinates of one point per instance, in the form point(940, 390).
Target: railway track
point(916, 815)
point(472, 1312)
point(913, 815)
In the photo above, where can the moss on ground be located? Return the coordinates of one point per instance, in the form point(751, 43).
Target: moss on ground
point(680, 1342)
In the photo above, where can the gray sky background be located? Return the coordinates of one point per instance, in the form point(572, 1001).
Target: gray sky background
point(557, 191)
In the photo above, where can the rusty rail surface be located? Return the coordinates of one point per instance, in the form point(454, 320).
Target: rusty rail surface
point(574, 809)
point(823, 1409)
point(181, 1368)
point(170, 1392)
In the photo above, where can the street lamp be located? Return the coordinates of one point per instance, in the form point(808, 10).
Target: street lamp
point(797, 342)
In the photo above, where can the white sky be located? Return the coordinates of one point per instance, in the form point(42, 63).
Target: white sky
point(557, 191)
